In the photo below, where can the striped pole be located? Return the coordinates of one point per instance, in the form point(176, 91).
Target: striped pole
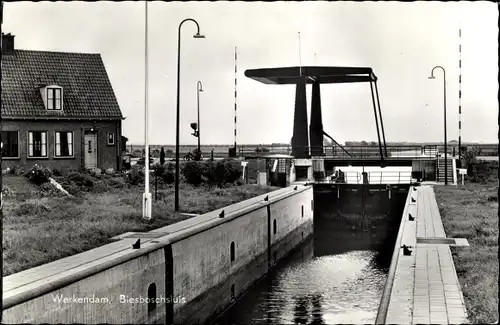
point(459, 92)
point(235, 92)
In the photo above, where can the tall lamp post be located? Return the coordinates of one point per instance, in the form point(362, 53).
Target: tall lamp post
point(146, 197)
point(445, 139)
point(177, 170)
point(199, 88)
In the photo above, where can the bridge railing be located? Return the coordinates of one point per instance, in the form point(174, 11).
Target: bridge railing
point(346, 152)
point(378, 177)
point(373, 152)
point(368, 151)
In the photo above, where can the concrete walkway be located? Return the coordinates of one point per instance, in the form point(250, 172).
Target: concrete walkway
point(426, 288)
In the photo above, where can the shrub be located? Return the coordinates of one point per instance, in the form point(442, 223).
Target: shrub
point(165, 173)
point(14, 170)
point(158, 170)
point(95, 172)
point(56, 172)
point(168, 176)
point(222, 172)
point(81, 179)
point(136, 176)
point(233, 170)
point(193, 172)
point(482, 171)
point(209, 173)
point(228, 171)
point(38, 175)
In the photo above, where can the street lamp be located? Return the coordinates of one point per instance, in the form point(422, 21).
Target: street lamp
point(177, 170)
point(445, 139)
point(199, 88)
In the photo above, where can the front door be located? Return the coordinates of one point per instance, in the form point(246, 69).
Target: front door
point(90, 149)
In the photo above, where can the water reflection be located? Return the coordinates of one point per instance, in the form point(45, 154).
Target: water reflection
point(337, 277)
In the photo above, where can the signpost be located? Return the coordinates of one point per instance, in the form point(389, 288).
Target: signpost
point(462, 172)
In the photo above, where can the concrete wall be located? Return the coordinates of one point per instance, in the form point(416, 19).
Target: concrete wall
point(206, 278)
point(189, 263)
point(131, 279)
point(108, 156)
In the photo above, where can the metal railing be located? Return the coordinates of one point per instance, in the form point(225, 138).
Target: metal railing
point(356, 151)
point(374, 177)
point(350, 152)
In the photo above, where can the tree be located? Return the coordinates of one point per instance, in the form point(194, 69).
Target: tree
point(162, 156)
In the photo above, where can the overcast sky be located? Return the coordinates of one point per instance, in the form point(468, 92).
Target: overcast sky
point(400, 41)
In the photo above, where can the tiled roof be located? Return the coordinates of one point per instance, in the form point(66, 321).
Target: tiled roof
point(87, 91)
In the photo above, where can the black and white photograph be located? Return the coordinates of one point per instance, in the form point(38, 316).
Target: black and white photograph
point(246, 162)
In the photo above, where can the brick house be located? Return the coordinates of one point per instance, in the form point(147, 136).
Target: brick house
point(59, 111)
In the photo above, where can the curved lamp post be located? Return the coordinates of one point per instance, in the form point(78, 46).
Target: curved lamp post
point(445, 139)
point(199, 88)
point(177, 170)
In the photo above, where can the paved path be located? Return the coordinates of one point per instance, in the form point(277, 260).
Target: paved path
point(426, 288)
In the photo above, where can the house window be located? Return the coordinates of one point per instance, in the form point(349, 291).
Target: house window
point(54, 99)
point(10, 144)
point(37, 144)
point(64, 144)
point(111, 139)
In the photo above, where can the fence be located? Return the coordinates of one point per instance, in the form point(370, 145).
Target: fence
point(346, 152)
point(375, 177)
point(352, 151)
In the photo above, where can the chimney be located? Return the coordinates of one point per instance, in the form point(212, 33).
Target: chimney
point(7, 44)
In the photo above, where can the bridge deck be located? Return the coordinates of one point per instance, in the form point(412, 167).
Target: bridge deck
point(426, 289)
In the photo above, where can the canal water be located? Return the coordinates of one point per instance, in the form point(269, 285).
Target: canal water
point(336, 277)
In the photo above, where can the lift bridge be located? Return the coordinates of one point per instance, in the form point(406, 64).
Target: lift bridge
point(315, 163)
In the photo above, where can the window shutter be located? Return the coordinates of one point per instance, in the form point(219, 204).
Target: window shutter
point(44, 144)
point(70, 143)
point(50, 99)
point(30, 143)
point(58, 143)
point(57, 98)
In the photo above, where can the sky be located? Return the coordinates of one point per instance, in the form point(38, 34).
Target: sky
point(402, 42)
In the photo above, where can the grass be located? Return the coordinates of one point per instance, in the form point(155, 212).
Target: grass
point(41, 225)
point(471, 212)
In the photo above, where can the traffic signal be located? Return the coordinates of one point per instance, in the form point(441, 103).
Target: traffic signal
point(194, 126)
